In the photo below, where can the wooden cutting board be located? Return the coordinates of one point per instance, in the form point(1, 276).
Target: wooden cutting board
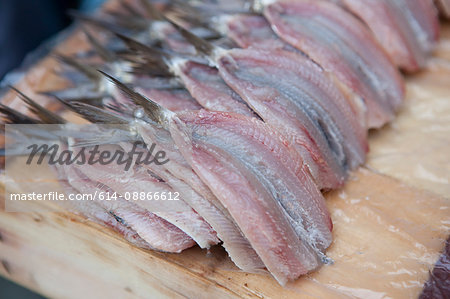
point(390, 220)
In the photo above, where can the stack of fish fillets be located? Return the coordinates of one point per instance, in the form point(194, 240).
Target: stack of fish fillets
point(258, 106)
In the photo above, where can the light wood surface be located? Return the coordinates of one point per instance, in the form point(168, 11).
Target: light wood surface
point(390, 221)
point(415, 148)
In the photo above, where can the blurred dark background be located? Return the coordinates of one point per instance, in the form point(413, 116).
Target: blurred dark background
point(25, 24)
point(10, 290)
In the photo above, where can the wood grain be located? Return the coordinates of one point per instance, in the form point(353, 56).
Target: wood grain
point(415, 148)
point(387, 237)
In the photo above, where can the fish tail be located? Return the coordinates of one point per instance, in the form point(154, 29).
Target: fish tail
point(95, 114)
point(45, 115)
point(203, 47)
point(151, 11)
point(12, 116)
point(131, 10)
point(145, 59)
point(153, 110)
point(101, 50)
point(83, 68)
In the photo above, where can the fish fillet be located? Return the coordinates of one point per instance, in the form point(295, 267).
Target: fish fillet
point(158, 233)
point(284, 218)
point(338, 42)
point(407, 30)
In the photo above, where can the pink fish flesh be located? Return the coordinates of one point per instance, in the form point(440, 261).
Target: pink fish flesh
point(240, 158)
point(338, 42)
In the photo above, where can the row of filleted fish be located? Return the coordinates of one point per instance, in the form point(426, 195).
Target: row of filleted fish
point(259, 106)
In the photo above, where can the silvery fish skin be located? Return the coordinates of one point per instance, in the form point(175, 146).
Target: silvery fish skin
point(238, 248)
point(144, 223)
point(317, 233)
point(206, 85)
point(341, 45)
point(407, 30)
point(95, 212)
point(240, 158)
point(317, 153)
point(203, 82)
point(163, 90)
point(177, 171)
point(138, 180)
point(178, 174)
point(73, 183)
point(289, 105)
point(251, 31)
point(422, 17)
point(322, 140)
point(111, 178)
point(158, 233)
point(213, 94)
point(255, 32)
point(173, 99)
